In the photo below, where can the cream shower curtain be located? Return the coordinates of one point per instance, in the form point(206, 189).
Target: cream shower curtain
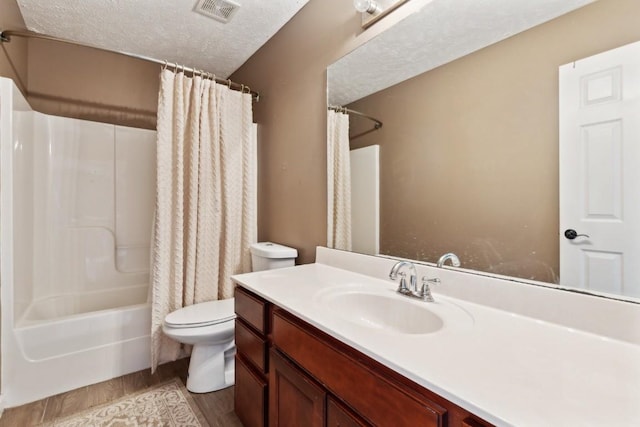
point(205, 199)
point(338, 182)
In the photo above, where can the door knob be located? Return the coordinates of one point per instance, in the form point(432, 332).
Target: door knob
point(572, 234)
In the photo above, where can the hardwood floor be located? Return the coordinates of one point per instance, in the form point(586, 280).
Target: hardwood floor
point(217, 407)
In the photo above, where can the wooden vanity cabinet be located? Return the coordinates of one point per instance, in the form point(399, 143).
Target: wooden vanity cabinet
point(252, 331)
point(317, 380)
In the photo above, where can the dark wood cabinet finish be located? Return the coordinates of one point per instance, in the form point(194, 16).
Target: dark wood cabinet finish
point(251, 345)
point(315, 379)
point(377, 399)
point(250, 396)
point(339, 415)
point(472, 422)
point(252, 327)
point(294, 398)
point(252, 309)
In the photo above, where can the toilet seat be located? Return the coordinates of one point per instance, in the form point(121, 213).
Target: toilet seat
point(202, 314)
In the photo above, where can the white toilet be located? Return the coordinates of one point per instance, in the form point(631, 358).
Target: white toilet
point(209, 326)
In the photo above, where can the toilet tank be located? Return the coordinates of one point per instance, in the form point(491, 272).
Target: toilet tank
point(267, 256)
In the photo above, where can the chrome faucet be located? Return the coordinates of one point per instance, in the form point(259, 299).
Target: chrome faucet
point(413, 279)
point(455, 261)
point(425, 291)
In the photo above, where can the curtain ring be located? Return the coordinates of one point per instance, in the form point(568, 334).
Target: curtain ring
point(241, 88)
point(248, 90)
point(164, 66)
point(229, 83)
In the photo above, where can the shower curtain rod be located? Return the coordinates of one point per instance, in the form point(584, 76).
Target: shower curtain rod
point(377, 124)
point(5, 37)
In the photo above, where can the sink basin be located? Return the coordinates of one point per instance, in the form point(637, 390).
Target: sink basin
point(386, 310)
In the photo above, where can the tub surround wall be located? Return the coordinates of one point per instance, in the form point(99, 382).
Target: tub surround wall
point(92, 207)
point(82, 203)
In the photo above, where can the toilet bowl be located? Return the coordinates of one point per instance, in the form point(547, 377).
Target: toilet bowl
point(209, 327)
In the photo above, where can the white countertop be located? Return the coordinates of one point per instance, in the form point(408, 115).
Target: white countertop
point(503, 367)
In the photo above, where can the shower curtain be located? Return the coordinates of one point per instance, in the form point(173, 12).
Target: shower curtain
point(205, 216)
point(338, 182)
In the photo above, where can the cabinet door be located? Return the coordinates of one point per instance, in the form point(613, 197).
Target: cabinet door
point(340, 416)
point(250, 395)
point(294, 398)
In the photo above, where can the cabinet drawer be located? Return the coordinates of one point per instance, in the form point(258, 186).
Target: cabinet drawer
point(250, 396)
point(251, 309)
point(377, 399)
point(251, 346)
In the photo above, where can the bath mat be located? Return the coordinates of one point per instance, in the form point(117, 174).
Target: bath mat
point(168, 405)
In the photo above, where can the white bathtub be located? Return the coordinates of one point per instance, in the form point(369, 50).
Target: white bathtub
point(76, 204)
point(51, 356)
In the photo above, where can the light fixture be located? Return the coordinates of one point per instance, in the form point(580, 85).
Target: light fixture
point(366, 6)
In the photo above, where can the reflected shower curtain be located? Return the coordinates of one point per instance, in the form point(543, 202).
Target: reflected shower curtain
point(205, 216)
point(338, 181)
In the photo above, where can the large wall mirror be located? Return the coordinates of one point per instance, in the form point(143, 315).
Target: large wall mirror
point(469, 152)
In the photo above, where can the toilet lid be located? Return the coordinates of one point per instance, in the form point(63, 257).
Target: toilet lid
point(202, 314)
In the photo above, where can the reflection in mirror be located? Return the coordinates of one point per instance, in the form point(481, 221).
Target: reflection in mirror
point(469, 152)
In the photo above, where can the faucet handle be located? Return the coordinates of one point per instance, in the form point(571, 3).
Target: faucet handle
point(426, 281)
point(425, 292)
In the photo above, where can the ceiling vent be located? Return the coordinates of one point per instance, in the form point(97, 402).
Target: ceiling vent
point(220, 10)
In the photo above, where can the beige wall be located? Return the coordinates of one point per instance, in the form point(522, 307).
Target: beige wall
point(73, 81)
point(78, 82)
point(469, 151)
point(290, 73)
point(13, 56)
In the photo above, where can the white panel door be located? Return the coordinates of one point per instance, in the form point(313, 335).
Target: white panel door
point(600, 172)
point(365, 200)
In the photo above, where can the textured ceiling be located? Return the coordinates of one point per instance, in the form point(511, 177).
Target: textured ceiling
point(163, 29)
point(440, 32)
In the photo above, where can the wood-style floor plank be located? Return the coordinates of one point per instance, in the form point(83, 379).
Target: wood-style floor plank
point(26, 415)
point(106, 391)
point(217, 407)
point(135, 381)
point(62, 405)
